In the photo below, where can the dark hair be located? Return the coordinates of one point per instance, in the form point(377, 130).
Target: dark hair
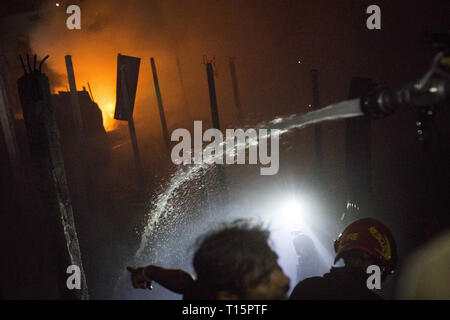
point(225, 256)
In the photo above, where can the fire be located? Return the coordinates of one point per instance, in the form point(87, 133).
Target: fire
point(107, 109)
point(108, 116)
point(102, 82)
point(109, 28)
point(104, 95)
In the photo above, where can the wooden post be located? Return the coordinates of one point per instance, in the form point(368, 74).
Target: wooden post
point(83, 177)
point(317, 127)
point(78, 121)
point(237, 99)
point(216, 125)
point(358, 144)
point(90, 92)
point(212, 95)
point(50, 178)
point(134, 143)
point(137, 155)
point(9, 134)
point(160, 105)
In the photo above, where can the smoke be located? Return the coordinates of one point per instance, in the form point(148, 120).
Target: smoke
point(135, 28)
point(107, 28)
point(167, 30)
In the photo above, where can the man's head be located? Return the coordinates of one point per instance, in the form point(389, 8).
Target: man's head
point(236, 262)
point(367, 242)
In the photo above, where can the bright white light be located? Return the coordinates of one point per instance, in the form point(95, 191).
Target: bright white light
point(291, 213)
point(57, 4)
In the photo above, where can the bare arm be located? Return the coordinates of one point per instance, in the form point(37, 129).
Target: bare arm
point(174, 280)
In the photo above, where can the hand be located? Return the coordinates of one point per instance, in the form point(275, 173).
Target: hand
point(139, 279)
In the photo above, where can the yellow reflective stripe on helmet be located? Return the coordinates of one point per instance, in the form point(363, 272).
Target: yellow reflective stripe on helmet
point(385, 246)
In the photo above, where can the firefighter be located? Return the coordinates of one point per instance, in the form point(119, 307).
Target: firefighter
point(363, 243)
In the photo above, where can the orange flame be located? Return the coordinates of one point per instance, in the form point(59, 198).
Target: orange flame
point(104, 96)
point(108, 116)
point(107, 107)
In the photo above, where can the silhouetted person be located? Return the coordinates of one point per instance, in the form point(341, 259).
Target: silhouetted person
point(426, 275)
point(235, 262)
point(308, 264)
point(363, 243)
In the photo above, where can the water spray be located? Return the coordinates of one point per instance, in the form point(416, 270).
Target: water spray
point(432, 89)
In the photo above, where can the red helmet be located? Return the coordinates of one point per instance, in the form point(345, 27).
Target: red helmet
point(370, 236)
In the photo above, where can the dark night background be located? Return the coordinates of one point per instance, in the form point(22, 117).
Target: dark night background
point(408, 181)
